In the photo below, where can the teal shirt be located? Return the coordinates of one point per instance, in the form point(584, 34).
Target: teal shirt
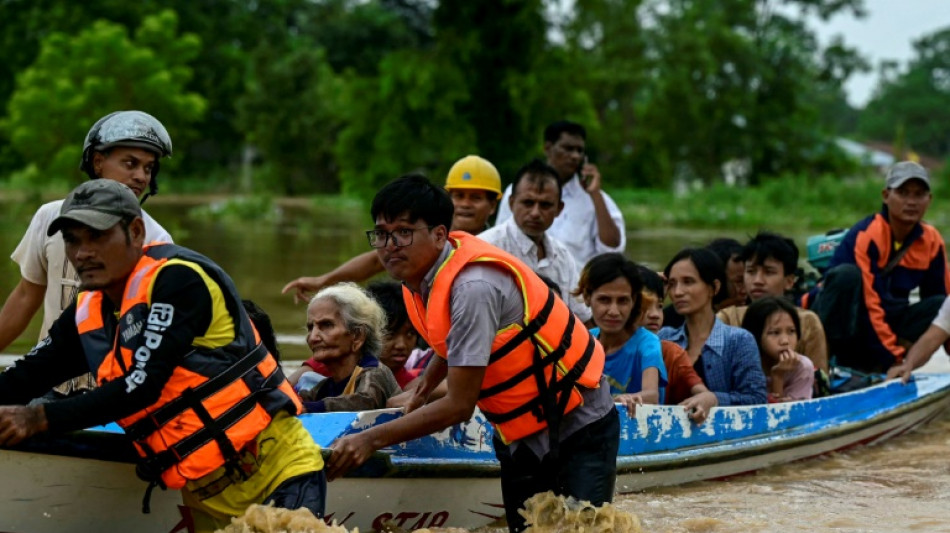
point(624, 368)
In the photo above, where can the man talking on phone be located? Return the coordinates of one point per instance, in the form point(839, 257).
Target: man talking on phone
point(590, 223)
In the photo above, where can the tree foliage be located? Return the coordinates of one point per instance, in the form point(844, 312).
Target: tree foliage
point(913, 106)
point(77, 79)
point(343, 95)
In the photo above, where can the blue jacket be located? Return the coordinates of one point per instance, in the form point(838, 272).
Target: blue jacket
point(869, 245)
point(731, 363)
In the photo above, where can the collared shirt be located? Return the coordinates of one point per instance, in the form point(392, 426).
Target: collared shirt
point(42, 260)
point(485, 300)
point(576, 226)
point(731, 363)
point(558, 263)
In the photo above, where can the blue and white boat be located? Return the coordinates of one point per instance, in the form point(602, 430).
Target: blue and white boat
point(86, 482)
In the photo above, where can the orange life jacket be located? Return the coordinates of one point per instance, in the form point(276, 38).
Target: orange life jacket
point(534, 367)
point(216, 400)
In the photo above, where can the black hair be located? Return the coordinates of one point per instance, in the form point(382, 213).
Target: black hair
point(603, 269)
point(388, 295)
point(535, 171)
point(262, 324)
point(766, 245)
point(725, 248)
point(711, 269)
point(124, 223)
point(651, 281)
point(552, 133)
point(759, 312)
point(416, 195)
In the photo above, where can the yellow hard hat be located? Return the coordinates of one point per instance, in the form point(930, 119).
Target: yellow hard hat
point(473, 172)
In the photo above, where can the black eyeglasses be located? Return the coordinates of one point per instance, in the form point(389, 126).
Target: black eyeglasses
point(401, 237)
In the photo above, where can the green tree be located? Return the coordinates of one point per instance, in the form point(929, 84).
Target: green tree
point(683, 87)
point(291, 113)
point(78, 78)
point(404, 120)
point(915, 103)
point(495, 45)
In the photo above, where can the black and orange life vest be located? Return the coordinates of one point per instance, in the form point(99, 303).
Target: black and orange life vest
point(535, 365)
point(216, 400)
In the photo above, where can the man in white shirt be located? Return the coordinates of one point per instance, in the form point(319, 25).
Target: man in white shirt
point(535, 203)
point(590, 223)
point(124, 146)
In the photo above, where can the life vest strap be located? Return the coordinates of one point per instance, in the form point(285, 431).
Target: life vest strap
point(535, 405)
point(161, 461)
point(155, 420)
point(529, 330)
point(539, 363)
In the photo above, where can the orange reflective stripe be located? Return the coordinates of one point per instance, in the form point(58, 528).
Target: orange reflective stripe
point(876, 237)
point(88, 311)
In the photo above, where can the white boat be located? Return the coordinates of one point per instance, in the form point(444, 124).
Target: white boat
point(86, 481)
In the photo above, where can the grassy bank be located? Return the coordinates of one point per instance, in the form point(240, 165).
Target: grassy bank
point(810, 204)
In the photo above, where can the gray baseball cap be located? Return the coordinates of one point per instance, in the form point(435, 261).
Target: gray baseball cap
point(906, 170)
point(99, 204)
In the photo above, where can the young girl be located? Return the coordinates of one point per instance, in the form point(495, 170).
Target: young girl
point(774, 323)
point(610, 286)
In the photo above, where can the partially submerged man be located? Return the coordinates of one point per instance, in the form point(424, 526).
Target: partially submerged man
point(863, 300)
point(483, 312)
point(473, 184)
point(590, 223)
point(770, 262)
point(124, 146)
point(149, 324)
point(535, 203)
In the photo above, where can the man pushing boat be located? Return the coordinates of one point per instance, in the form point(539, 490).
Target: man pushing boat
point(179, 365)
point(505, 343)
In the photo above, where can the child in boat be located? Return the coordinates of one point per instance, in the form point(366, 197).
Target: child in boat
point(401, 338)
point(610, 286)
point(345, 329)
point(774, 323)
point(685, 387)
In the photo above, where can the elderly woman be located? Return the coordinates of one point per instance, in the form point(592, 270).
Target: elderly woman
point(345, 329)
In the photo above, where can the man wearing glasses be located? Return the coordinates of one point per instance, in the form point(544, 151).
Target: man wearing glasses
point(484, 312)
point(863, 301)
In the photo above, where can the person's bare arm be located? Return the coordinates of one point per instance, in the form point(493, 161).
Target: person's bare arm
point(919, 353)
point(464, 384)
point(24, 300)
point(359, 268)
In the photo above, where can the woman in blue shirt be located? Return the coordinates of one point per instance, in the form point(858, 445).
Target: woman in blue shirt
point(726, 357)
point(610, 285)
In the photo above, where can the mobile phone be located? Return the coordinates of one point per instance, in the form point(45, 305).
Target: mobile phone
point(585, 178)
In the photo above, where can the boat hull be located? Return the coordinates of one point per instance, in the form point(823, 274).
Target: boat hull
point(86, 482)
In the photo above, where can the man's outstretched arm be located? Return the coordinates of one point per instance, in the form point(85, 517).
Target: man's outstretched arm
point(359, 268)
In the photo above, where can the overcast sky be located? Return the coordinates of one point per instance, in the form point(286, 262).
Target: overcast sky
point(885, 33)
